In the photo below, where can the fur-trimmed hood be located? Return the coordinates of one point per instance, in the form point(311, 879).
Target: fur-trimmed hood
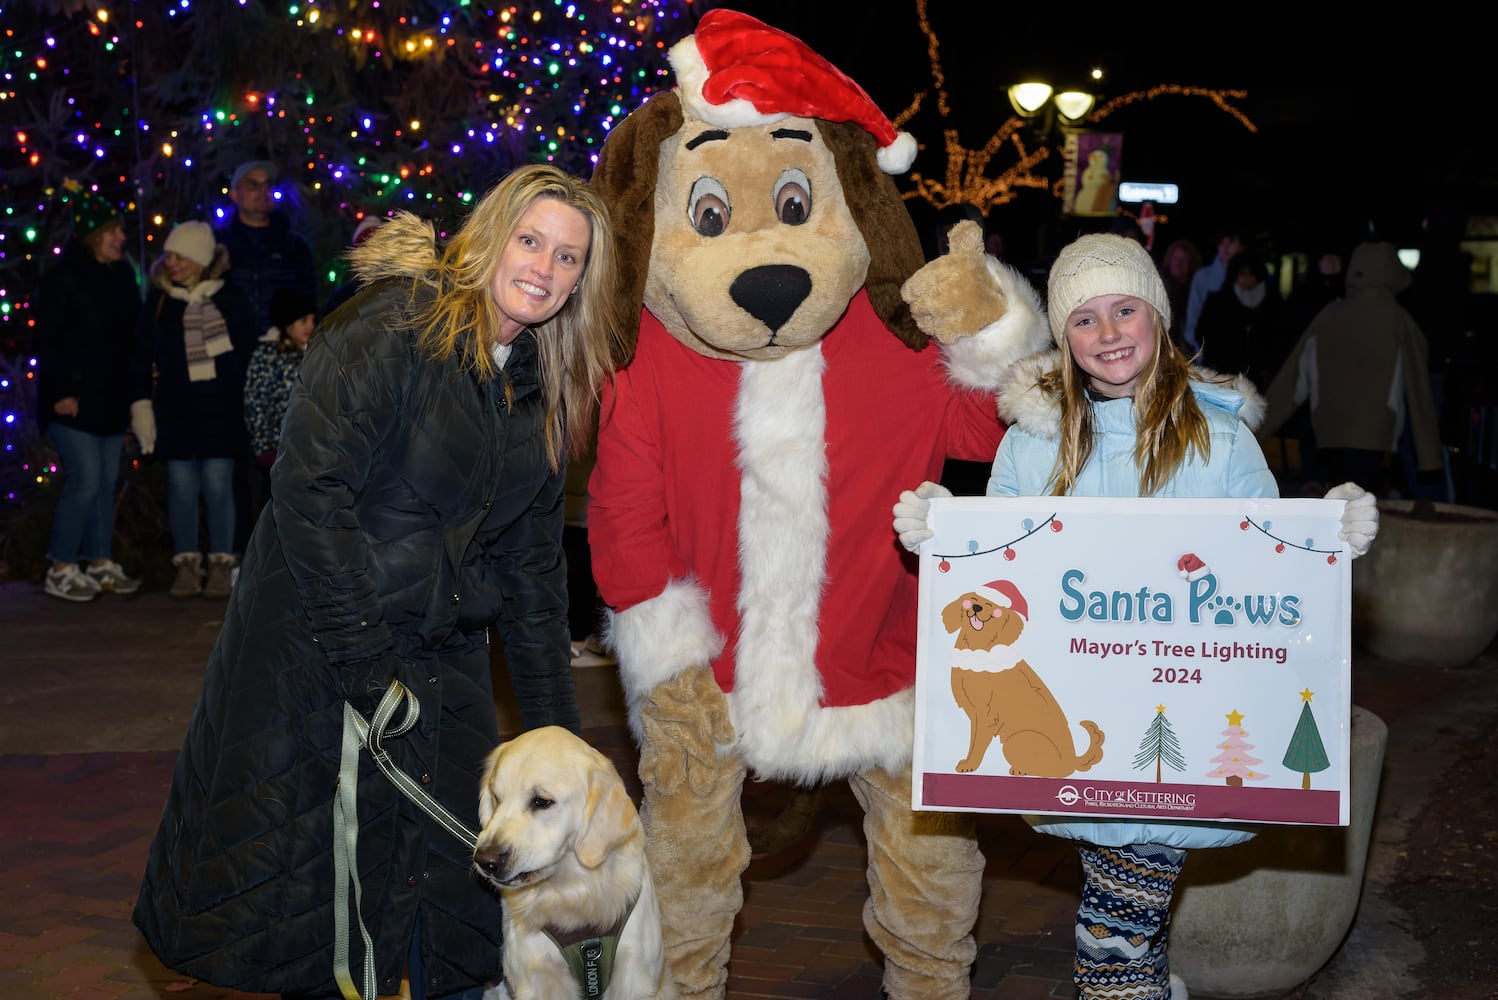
point(1022, 404)
point(404, 246)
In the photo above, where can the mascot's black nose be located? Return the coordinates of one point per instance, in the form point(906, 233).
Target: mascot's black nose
point(771, 293)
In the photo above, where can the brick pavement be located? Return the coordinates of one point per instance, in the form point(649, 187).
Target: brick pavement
point(75, 828)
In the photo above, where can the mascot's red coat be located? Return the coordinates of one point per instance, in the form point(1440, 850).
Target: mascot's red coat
point(819, 680)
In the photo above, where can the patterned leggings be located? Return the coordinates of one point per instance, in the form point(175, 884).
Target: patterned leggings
point(1121, 922)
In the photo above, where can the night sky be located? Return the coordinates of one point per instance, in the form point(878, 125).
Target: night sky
point(1340, 146)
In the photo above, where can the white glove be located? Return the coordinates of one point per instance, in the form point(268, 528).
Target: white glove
point(1359, 517)
point(143, 425)
point(911, 513)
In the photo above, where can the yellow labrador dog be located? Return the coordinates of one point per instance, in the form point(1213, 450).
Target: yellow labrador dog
point(562, 843)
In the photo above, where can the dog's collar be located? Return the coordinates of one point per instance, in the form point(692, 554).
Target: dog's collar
point(990, 660)
point(589, 953)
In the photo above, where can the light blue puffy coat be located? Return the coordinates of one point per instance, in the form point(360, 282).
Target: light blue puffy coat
point(1235, 468)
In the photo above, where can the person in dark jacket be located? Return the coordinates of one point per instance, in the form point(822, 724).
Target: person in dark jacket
point(187, 381)
point(1242, 326)
point(268, 256)
point(416, 500)
point(86, 310)
point(266, 253)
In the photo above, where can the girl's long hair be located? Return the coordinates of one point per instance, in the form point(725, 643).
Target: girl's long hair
point(1170, 426)
point(579, 348)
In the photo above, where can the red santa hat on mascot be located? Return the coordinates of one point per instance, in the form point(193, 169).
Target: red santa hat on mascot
point(735, 71)
point(1004, 594)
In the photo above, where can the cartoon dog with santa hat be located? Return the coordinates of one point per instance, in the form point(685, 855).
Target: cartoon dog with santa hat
point(1002, 695)
point(779, 398)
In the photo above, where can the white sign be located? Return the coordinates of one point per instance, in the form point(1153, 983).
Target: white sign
point(1180, 659)
point(1160, 194)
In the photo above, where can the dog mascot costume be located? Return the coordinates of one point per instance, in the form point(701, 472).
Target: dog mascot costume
point(779, 399)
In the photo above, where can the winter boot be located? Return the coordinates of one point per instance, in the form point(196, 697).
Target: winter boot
point(220, 575)
point(189, 582)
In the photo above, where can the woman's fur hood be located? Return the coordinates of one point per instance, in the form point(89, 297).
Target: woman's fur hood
point(1023, 405)
point(404, 246)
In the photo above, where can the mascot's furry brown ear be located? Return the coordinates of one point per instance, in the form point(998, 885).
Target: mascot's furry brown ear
point(894, 245)
point(626, 176)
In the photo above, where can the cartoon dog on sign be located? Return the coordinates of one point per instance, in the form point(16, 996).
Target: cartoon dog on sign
point(1002, 694)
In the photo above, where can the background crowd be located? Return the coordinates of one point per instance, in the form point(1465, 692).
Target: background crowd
point(195, 361)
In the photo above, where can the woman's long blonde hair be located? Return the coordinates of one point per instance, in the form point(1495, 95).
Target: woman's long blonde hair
point(1169, 425)
point(579, 348)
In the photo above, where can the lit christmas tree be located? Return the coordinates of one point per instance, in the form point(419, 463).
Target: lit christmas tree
point(1235, 764)
point(1159, 746)
point(1306, 752)
point(367, 108)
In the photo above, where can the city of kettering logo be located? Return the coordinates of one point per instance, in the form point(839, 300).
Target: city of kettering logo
point(1150, 799)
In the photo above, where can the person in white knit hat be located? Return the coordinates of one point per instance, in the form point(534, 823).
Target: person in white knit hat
point(187, 382)
point(1117, 410)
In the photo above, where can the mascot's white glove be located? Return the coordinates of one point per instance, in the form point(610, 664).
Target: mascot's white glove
point(913, 510)
point(1359, 517)
point(143, 425)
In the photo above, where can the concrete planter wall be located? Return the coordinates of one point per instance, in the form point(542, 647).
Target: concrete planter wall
point(1254, 921)
point(1426, 594)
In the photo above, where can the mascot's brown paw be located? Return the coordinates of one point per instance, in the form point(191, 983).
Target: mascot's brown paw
point(796, 819)
point(684, 719)
point(954, 296)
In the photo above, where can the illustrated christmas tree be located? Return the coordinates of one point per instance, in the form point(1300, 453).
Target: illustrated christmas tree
point(1306, 753)
point(1160, 746)
point(1235, 764)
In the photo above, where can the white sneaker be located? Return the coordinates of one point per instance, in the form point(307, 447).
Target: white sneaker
point(111, 578)
point(71, 584)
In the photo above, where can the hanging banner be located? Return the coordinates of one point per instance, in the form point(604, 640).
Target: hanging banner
point(1176, 659)
point(1091, 171)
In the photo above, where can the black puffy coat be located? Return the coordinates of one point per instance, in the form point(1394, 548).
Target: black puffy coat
point(412, 506)
point(86, 314)
point(193, 419)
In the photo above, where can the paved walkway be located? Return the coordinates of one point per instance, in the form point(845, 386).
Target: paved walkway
point(95, 699)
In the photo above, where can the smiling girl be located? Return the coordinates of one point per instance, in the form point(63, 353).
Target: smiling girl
point(1118, 411)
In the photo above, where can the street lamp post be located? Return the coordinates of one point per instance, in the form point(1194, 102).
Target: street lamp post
point(1050, 114)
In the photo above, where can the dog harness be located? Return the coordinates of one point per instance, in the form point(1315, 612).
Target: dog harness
point(589, 953)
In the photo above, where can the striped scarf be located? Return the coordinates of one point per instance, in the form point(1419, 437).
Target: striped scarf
point(205, 336)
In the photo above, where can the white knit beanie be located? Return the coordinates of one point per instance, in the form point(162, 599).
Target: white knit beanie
point(1102, 264)
point(193, 240)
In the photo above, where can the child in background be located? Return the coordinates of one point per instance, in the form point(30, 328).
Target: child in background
point(272, 371)
point(1117, 410)
point(268, 382)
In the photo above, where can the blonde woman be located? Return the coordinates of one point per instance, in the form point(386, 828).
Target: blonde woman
point(187, 381)
point(416, 501)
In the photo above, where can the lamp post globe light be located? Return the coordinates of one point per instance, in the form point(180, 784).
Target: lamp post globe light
point(1045, 107)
